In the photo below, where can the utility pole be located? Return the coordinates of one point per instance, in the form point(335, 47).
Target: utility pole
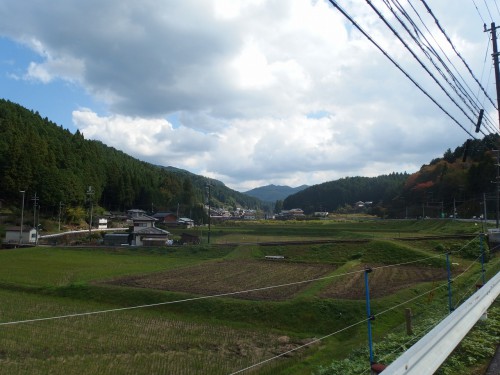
point(60, 209)
point(497, 188)
point(209, 209)
point(22, 219)
point(90, 194)
point(493, 30)
point(485, 211)
point(35, 225)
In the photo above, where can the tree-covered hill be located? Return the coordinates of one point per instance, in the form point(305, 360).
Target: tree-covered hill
point(272, 193)
point(38, 156)
point(332, 195)
point(453, 183)
point(220, 194)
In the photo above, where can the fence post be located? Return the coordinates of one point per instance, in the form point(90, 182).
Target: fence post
point(481, 245)
point(449, 281)
point(409, 328)
point(369, 315)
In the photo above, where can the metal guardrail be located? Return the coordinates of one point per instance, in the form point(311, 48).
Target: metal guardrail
point(54, 235)
point(431, 351)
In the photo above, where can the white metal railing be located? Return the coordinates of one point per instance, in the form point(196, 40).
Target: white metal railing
point(431, 351)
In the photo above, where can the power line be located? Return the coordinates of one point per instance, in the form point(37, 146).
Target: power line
point(488, 9)
point(458, 90)
point(299, 347)
point(478, 12)
point(496, 5)
point(178, 301)
point(216, 295)
point(433, 51)
point(346, 15)
point(455, 50)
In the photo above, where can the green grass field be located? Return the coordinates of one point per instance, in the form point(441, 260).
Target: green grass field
point(316, 290)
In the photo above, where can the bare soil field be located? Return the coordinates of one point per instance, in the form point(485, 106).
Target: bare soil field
point(382, 281)
point(229, 276)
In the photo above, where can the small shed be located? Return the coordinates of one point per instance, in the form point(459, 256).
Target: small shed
point(116, 239)
point(15, 235)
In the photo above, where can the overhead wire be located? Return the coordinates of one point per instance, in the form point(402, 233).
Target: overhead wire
point(355, 24)
point(496, 5)
point(478, 12)
point(256, 289)
point(436, 21)
point(421, 63)
point(343, 329)
point(467, 292)
point(197, 298)
point(421, 40)
point(488, 9)
point(300, 347)
point(433, 50)
point(457, 87)
point(178, 301)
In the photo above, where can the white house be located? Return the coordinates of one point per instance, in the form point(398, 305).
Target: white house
point(103, 223)
point(146, 234)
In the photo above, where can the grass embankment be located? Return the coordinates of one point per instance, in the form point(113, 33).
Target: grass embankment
point(217, 335)
point(237, 232)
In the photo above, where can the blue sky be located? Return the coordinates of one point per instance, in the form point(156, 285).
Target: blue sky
point(55, 100)
point(252, 93)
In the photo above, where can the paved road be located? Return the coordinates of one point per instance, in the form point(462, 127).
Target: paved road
point(494, 367)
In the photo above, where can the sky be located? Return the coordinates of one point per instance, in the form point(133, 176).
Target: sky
point(251, 92)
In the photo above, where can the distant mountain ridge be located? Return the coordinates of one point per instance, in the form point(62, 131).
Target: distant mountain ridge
point(273, 193)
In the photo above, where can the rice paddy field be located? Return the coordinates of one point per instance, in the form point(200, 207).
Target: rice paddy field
point(224, 308)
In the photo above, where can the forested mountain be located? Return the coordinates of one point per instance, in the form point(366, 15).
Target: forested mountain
point(220, 193)
point(38, 156)
point(329, 196)
point(458, 182)
point(272, 193)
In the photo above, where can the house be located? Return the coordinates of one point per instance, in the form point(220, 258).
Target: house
point(102, 223)
point(249, 216)
point(165, 217)
point(185, 222)
point(294, 213)
point(135, 213)
point(13, 235)
point(144, 232)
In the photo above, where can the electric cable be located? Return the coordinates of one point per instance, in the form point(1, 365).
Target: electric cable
point(496, 5)
point(467, 292)
point(177, 301)
point(488, 9)
point(421, 63)
point(417, 37)
point(300, 347)
point(478, 12)
point(454, 48)
point(434, 52)
point(355, 24)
